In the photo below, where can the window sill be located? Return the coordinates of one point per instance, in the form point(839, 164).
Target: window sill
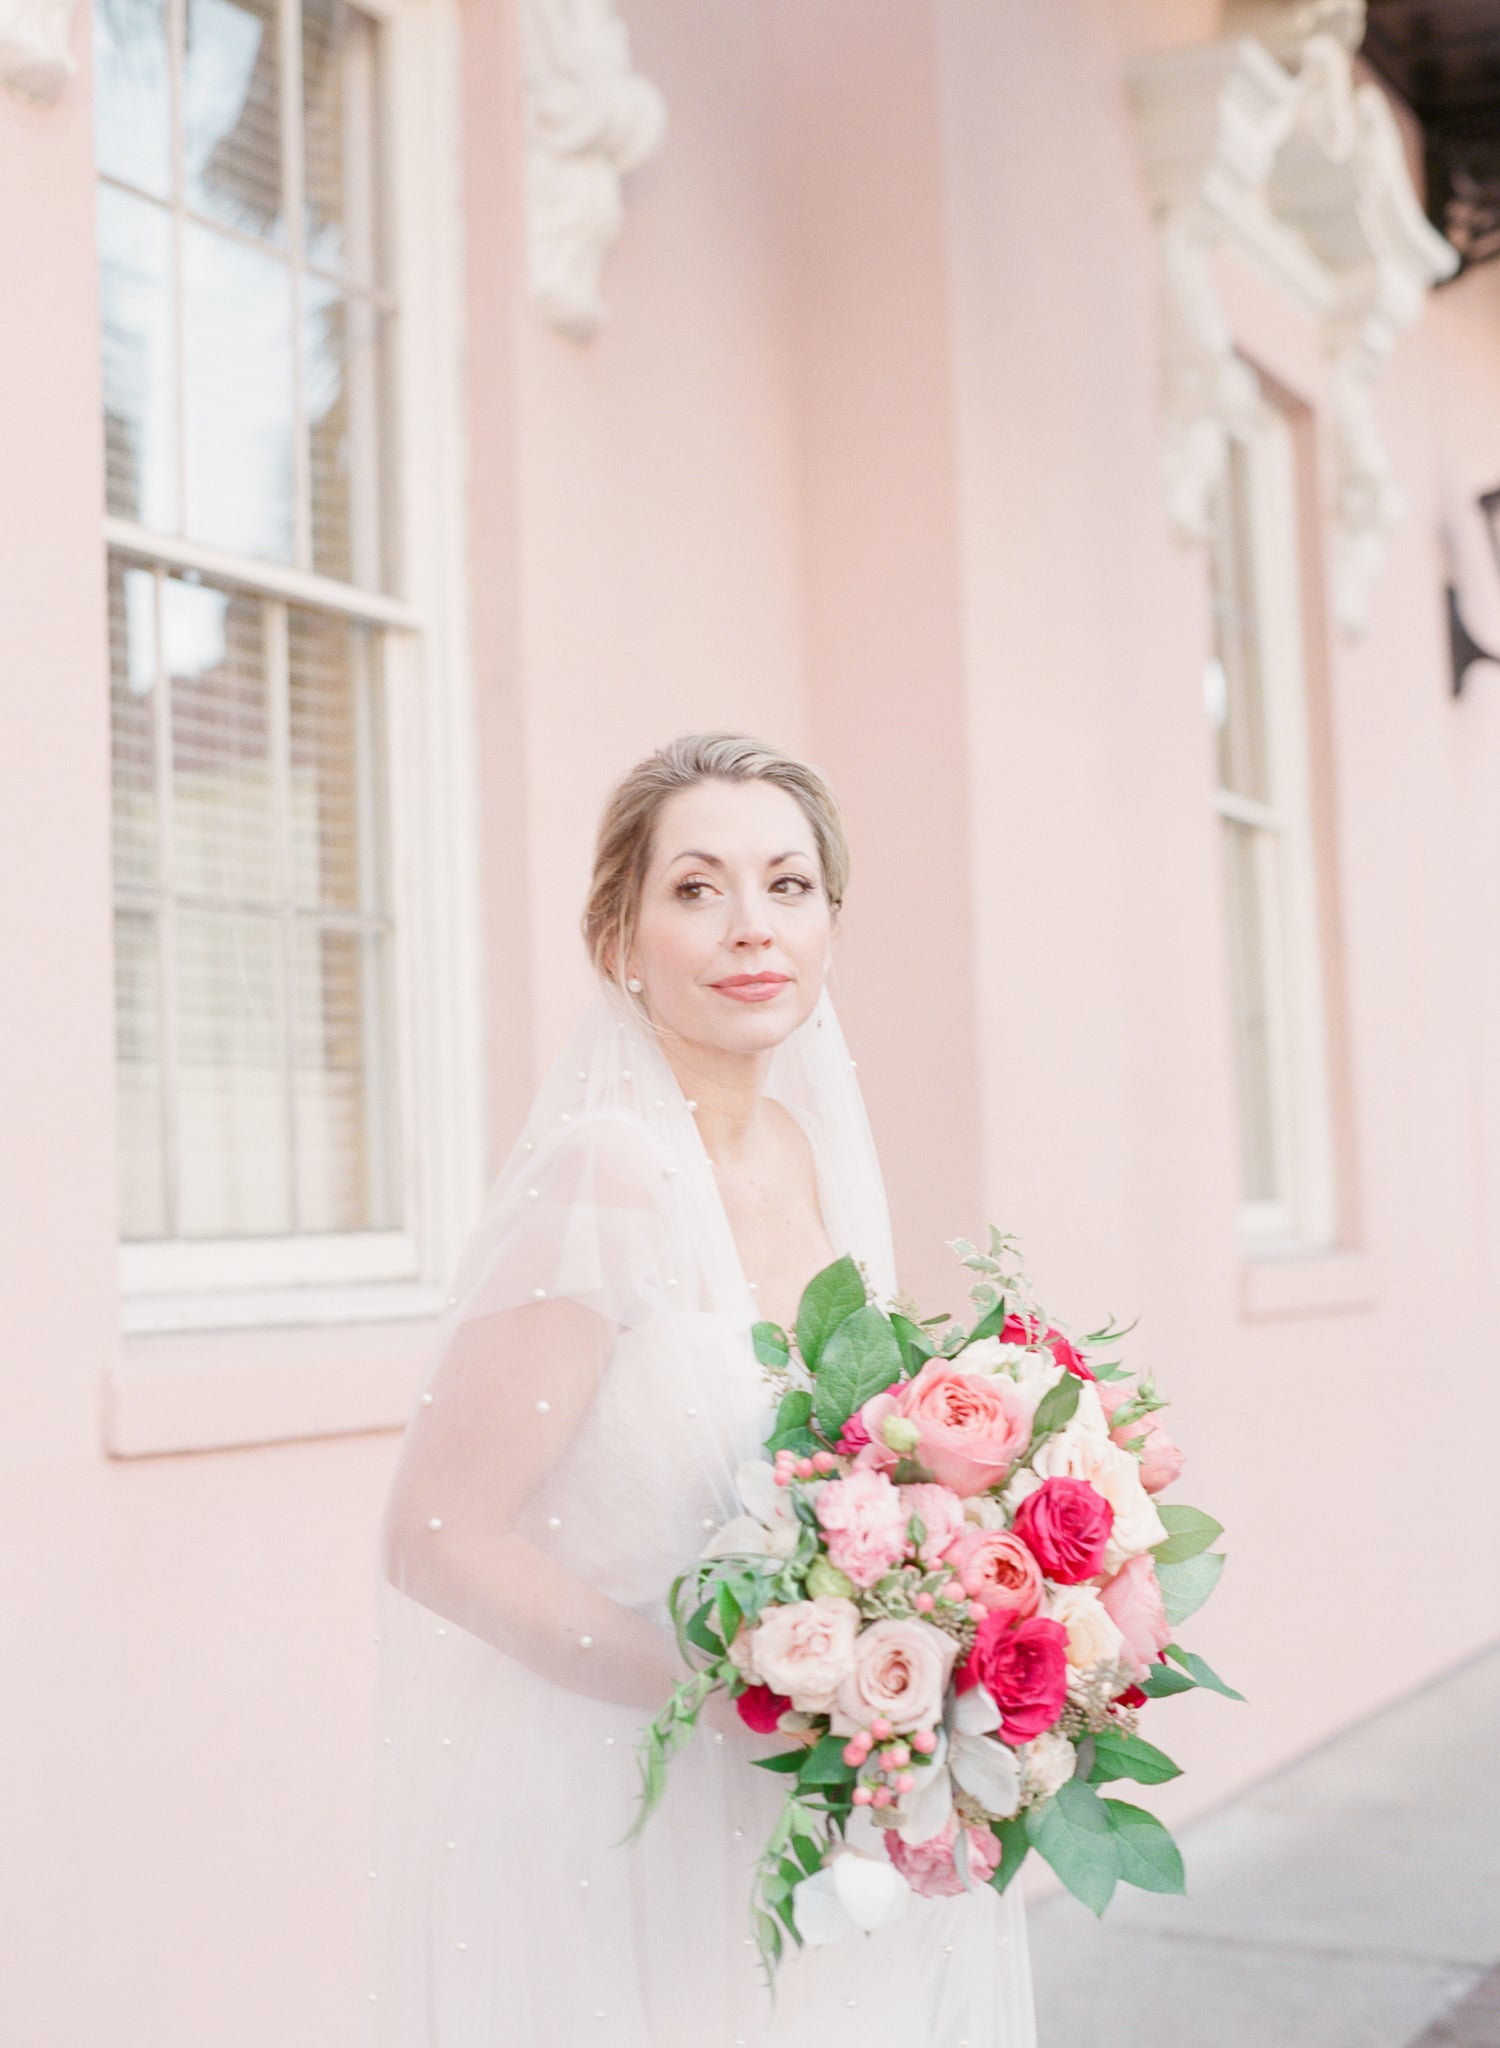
point(212, 1390)
point(1287, 1282)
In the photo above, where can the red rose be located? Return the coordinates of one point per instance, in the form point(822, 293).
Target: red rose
point(1023, 1666)
point(1065, 1524)
point(1132, 1696)
point(760, 1708)
point(1019, 1330)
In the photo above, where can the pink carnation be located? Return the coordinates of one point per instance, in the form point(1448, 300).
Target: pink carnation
point(928, 1867)
point(941, 1513)
point(864, 1521)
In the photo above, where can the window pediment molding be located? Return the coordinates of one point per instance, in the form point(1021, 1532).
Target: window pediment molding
point(1284, 157)
point(588, 119)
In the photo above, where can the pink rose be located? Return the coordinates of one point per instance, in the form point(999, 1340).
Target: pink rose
point(802, 1649)
point(941, 1513)
point(995, 1567)
point(855, 1436)
point(929, 1867)
point(971, 1427)
point(901, 1671)
point(1022, 1330)
point(1161, 1460)
point(761, 1709)
point(1023, 1666)
point(1066, 1524)
point(1132, 1599)
point(864, 1522)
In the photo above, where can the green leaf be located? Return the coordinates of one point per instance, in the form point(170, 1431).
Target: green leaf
point(1185, 1586)
point(808, 1853)
point(860, 1358)
point(772, 1346)
point(791, 1432)
point(1015, 1846)
point(1148, 1855)
point(700, 1634)
point(1189, 1531)
point(991, 1323)
point(1055, 1409)
point(916, 1345)
point(1117, 1755)
point(788, 1760)
point(1072, 1832)
point(1164, 1681)
point(1195, 1666)
point(829, 1298)
point(824, 1764)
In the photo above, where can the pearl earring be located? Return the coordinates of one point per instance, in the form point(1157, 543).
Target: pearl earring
point(634, 984)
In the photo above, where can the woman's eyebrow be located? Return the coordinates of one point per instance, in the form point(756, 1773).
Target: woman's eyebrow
point(712, 859)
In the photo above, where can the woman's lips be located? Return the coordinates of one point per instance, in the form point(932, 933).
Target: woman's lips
point(750, 991)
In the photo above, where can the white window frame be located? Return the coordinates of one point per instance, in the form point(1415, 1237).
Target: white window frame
point(1302, 1218)
point(361, 1276)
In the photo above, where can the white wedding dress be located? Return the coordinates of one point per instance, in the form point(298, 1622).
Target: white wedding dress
point(594, 1388)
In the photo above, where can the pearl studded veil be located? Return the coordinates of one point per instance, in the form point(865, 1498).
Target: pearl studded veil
point(593, 1387)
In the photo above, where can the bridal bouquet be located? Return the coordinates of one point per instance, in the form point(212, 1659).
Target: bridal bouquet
point(953, 1590)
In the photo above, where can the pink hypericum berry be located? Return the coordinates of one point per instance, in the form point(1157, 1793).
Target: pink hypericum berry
point(863, 1796)
point(805, 1468)
point(854, 1756)
point(880, 1729)
point(906, 1782)
point(977, 1610)
point(924, 1742)
point(824, 1461)
point(952, 1591)
point(924, 1603)
point(863, 1740)
point(899, 1755)
point(881, 1796)
point(783, 1475)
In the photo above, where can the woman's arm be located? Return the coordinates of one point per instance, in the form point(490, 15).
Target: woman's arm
point(510, 1391)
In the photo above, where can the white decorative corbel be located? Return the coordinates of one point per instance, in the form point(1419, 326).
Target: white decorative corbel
point(35, 60)
point(588, 120)
point(1263, 142)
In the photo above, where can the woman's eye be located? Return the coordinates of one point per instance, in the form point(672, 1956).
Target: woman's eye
point(804, 886)
point(687, 890)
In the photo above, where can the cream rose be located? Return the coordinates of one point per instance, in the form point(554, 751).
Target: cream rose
point(1095, 1642)
point(900, 1672)
point(803, 1650)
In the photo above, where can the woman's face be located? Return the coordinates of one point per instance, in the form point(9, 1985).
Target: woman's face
point(733, 890)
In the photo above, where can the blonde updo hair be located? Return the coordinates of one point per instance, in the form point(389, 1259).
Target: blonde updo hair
point(622, 851)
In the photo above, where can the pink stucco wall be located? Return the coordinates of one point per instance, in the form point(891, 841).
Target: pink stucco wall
point(866, 461)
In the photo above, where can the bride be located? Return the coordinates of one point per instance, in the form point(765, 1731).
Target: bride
point(698, 1150)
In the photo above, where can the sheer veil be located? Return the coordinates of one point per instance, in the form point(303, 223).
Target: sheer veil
point(593, 1387)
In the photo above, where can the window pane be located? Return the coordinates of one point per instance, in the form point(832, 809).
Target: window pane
point(340, 140)
point(344, 382)
point(239, 395)
point(336, 783)
point(231, 114)
point(1241, 742)
point(1249, 856)
point(138, 1078)
point(232, 1108)
point(139, 360)
point(223, 784)
point(132, 683)
point(340, 1080)
point(132, 94)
